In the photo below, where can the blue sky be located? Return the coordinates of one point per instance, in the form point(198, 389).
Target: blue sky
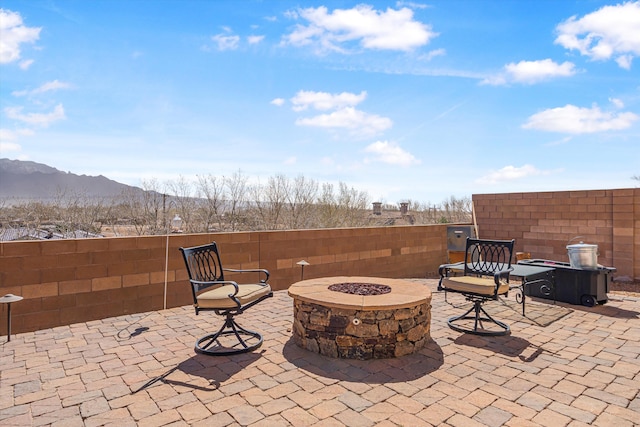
point(404, 100)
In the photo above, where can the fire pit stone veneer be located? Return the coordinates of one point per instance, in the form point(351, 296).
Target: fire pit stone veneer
point(362, 318)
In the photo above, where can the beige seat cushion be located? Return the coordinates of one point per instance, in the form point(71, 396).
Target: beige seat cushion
point(219, 297)
point(477, 285)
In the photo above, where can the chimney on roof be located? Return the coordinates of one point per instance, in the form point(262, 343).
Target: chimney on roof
point(377, 208)
point(404, 208)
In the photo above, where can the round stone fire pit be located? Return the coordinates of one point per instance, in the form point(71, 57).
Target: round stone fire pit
point(361, 317)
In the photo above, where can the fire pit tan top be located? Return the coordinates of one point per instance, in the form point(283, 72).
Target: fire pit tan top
point(360, 293)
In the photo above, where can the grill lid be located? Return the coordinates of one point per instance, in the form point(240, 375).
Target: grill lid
point(582, 245)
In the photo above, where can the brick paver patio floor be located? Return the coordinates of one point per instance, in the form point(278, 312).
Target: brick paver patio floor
point(563, 365)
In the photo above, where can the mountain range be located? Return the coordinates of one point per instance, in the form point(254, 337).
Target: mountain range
point(26, 180)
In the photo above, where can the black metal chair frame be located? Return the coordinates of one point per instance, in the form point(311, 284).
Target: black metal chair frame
point(483, 258)
point(205, 271)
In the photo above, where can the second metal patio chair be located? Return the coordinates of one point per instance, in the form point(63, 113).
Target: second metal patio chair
point(486, 277)
point(227, 298)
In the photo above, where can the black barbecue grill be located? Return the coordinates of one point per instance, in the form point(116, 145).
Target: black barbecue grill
point(573, 285)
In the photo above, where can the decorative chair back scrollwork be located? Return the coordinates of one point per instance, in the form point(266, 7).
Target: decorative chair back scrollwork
point(227, 298)
point(485, 277)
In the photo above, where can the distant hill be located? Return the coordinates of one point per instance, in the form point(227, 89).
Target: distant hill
point(35, 181)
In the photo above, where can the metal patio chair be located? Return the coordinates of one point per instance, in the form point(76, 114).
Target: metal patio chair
point(485, 277)
point(227, 298)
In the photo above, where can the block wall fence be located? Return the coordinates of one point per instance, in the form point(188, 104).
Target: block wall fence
point(544, 223)
point(70, 281)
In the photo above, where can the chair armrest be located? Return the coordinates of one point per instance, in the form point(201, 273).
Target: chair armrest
point(499, 275)
point(199, 285)
point(443, 271)
point(251, 270)
point(444, 268)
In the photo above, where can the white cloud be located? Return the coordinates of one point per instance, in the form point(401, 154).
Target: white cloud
point(358, 122)
point(624, 61)
point(13, 135)
point(612, 31)
point(372, 29)
point(40, 119)
point(561, 141)
point(290, 160)
point(5, 147)
point(47, 87)
point(327, 161)
point(617, 102)
point(12, 34)
point(343, 115)
point(530, 72)
point(576, 120)
point(255, 39)
point(9, 138)
point(432, 54)
point(325, 101)
point(510, 173)
point(24, 65)
point(391, 153)
point(6, 135)
point(226, 42)
point(411, 4)
point(278, 101)
point(53, 85)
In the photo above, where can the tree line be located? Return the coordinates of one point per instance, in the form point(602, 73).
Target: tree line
point(221, 204)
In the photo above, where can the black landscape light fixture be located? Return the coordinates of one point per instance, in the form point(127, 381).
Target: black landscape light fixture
point(302, 263)
point(8, 299)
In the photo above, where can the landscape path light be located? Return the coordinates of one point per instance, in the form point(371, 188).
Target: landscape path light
point(302, 263)
point(8, 299)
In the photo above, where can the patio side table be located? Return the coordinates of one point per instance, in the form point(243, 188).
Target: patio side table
point(8, 299)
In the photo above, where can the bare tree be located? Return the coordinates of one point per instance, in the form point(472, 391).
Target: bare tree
point(269, 201)
point(236, 193)
point(143, 209)
point(352, 205)
point(181, 202)
point(153, 207)
point(456, 210)
point(211, 211)
point(131, 208)
point(344, 209)
point(327, 208)
point(220, 204)
point(423, 213)
point(30, 216)
point(301, 197)
point(77, 213)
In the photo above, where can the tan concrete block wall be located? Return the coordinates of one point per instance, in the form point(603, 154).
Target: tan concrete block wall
point(69, 281)
point(543, 224)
